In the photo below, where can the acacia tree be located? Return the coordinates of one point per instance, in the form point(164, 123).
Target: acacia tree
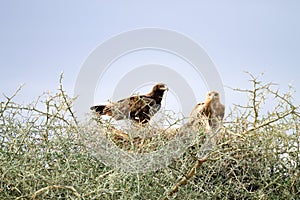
point(256, 156)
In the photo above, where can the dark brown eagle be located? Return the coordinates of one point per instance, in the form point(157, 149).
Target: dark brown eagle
point(210, 112)
point(139, 108)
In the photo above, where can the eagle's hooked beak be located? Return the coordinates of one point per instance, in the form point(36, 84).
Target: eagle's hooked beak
point(212, 96)
point(164, 88)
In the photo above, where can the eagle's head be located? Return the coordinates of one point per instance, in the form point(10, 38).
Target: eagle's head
point(159, 87)
point(212, 96)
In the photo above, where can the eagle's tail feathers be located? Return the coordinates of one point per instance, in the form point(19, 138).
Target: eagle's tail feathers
point(99, 109)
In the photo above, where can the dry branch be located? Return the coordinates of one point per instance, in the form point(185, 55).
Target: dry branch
point(185, 179)
point(42, 190)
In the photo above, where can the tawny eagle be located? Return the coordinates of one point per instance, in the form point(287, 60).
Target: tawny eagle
point(210, 112)
point(139, 108)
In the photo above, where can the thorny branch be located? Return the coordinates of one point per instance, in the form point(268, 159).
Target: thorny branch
point(185, 179)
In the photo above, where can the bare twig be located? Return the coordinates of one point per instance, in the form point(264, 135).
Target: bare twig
point(270, 121)
point(40, 112)
point(69, 106)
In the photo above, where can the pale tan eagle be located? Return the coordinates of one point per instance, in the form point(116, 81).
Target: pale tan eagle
point(210, 112)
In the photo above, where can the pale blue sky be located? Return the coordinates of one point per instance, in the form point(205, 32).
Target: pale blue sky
point(40, 39)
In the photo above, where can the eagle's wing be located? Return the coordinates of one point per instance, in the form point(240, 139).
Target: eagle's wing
point(198, 110)
point(198, 114)
point(118, 110)
point(201, 115)
point(141, 108)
